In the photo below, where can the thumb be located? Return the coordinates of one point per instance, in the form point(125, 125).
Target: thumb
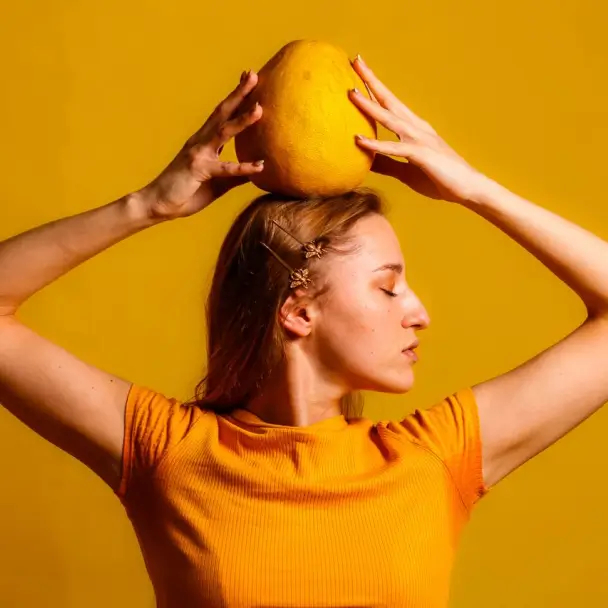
point(234, 170)
point(221, 185)
point(228, 175)
point(407, 172)
point(385, 165)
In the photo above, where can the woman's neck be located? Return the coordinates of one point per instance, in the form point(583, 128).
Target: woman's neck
point(297, 394)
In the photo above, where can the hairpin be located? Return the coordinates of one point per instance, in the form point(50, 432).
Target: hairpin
point(296, 277)
point(310, 249)
point(300, 276)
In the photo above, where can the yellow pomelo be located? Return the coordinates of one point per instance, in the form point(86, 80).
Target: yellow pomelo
point(306, 135)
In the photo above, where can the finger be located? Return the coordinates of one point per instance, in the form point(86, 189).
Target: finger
point(385, 117)
point(392, 148)
point(232, 127)
point(382, 93)
point(229, 105)
point(228, 169)
point(370, 92)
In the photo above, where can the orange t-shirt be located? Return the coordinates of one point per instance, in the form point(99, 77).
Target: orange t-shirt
point(231, 511)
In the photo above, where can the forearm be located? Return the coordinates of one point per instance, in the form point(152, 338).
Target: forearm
point(35, 258)
point(573, 254)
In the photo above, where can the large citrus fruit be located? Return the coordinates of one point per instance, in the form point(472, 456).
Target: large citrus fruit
point(306, 135)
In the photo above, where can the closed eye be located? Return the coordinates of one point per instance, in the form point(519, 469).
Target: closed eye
point(388, 292)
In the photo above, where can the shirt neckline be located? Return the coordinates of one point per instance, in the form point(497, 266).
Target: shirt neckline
point(335, 423)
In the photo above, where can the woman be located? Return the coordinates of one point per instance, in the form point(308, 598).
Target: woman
point(266, 490)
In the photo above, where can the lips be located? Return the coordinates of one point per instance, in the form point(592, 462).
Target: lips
point(412, 346)
point(410, 354)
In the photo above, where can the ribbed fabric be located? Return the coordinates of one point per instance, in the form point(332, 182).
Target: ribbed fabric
point(231, 511)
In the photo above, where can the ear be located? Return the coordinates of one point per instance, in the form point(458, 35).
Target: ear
point(296, 313)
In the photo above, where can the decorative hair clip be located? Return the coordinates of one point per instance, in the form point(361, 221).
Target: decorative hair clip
point(310, 249)
point(299, 276)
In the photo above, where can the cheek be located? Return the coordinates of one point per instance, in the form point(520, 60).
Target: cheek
point(342, 322)
point(359, 329)
point(378, 337)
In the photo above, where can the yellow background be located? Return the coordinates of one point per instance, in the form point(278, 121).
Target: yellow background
point(98, 96)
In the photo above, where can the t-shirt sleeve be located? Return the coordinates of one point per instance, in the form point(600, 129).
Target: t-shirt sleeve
point(154, 424)
point(451, 430)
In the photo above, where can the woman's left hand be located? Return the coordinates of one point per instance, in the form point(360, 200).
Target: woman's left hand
point(433, 168)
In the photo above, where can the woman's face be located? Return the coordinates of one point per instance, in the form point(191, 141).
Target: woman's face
point(359, 331)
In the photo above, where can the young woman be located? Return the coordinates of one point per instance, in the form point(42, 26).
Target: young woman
point(267, 489)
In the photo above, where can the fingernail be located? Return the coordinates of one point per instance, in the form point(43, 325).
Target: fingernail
point(360, 59)
point(258, 163)
point(245, 75)
point(356, 91)
point(359, 136)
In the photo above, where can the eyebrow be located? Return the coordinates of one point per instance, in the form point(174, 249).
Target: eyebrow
point(397, 268)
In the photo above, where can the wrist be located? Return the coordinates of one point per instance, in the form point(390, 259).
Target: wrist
point(139, 208)
point(485, 191)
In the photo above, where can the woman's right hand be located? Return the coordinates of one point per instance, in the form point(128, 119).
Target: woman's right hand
point(197, 176)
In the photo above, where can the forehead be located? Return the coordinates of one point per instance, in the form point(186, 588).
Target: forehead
point(377, 242)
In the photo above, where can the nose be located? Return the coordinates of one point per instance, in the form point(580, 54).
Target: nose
point(415, 314)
